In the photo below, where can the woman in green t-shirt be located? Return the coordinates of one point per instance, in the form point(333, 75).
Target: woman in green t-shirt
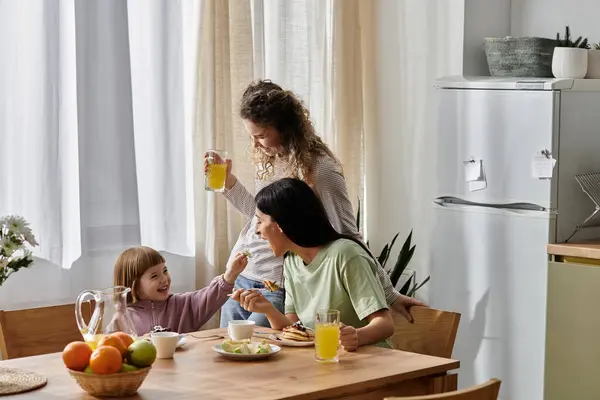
point(323, 269)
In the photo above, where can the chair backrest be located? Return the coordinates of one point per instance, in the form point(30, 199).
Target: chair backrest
point(432, 332)
point(35, 331)
point(486, 391)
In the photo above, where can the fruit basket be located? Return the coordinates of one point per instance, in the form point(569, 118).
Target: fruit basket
point(111, 385)
point(115, 365)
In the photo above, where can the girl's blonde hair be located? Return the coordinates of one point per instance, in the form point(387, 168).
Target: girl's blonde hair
point(131, 265)
point(268, 105)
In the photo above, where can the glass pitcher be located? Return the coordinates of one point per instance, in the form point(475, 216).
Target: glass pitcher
point(110, 314)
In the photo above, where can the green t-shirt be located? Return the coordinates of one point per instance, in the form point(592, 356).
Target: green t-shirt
point(342, 277)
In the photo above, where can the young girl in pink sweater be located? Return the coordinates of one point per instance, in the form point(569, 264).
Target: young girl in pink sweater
point(150, 303)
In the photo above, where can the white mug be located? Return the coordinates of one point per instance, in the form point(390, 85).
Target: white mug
point(240, 329)
point(165, 343)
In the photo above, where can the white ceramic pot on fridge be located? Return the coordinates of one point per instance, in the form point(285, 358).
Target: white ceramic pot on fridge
point(570, 62)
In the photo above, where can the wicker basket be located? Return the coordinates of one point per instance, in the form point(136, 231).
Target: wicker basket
point(112, 385)
point(520, 57)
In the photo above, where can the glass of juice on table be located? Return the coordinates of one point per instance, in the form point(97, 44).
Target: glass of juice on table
point(216, 172)
point(327, 336)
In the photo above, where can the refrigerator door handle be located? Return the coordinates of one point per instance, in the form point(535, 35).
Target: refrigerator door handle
point(449, 200)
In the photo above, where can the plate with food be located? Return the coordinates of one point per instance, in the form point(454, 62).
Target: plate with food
point(246, 349)
point(296, 335)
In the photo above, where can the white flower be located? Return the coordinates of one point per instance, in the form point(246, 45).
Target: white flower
point(8, 246)
point(17, 225)
point(29, 238)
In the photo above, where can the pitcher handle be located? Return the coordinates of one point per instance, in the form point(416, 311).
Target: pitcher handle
point(83, 328)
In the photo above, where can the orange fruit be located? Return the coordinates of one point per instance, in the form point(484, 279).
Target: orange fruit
point(125, 338)
point(106, 360)
point(113, 341)
point(76, 355)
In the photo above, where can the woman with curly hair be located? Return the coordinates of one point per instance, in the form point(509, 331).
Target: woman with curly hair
point(285, 144)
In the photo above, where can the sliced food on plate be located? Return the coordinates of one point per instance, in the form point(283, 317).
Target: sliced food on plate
point(246, 349)
point(245, 346)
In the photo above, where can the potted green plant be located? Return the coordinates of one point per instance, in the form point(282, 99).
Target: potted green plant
point(411, 286)
point(570, 58)
point(593, 70)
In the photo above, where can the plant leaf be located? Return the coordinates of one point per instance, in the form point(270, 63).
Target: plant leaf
point(406, 286)
point(406, 253)
point(358, 216)
point(419, 286)
point(383, 256)
point(390, 248)
point(406, 244)
point(404, 258)
point(411, 292)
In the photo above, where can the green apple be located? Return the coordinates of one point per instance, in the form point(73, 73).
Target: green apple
point(88, 370)
point(128, 368)
point(141, 353)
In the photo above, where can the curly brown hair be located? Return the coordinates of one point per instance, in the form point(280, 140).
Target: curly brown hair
point(266, 104)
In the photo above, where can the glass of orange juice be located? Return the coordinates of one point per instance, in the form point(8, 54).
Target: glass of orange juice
point(216, 174)
point(327, 336)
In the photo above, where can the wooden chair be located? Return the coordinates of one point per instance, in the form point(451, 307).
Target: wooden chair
point(36, 331)
point(486, 391)
point(432, 333)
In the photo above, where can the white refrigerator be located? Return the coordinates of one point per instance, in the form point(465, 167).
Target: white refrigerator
point(506, 152)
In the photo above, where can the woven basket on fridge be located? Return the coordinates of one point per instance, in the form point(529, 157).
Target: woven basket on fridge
point(520, 57)
point(111, 385)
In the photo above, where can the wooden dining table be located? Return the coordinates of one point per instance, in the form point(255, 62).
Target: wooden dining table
point(198, 372)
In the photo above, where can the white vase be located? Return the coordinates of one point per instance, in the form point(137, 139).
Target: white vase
point(593, 71)
point(569, 62)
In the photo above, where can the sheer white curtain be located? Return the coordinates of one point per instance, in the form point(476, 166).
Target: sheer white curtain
point(418, 41)
point(96, 107)
point(77, 98)
point(293, 48)
point(224, 69)
point(161, 121)
point(39, 165)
